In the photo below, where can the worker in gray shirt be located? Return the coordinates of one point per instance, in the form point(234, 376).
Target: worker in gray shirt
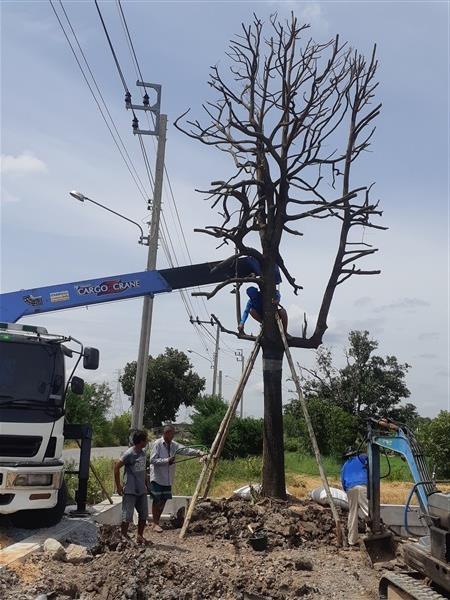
point(162, 470)
point(134, 488)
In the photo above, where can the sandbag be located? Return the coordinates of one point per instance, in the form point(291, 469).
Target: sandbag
point(339, 496)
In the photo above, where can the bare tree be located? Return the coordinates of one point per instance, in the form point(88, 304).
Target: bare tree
point(293, 116)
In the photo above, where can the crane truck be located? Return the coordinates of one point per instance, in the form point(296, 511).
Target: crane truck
point(33, 384)
point(33, 387)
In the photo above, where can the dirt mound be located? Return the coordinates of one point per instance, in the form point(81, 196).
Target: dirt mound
point(146, 573)
point(287, 525)
point(214, 562)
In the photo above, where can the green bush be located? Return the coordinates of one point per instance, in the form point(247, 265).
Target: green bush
point(334, 427)
point(104, 468)
point(291, 445)
point(120, 429)
point(434, 437)
point(244, 437)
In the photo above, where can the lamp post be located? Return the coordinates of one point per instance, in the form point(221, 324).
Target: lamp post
point(82, 198)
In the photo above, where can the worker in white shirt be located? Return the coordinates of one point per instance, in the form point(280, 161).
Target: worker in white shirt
point(162, 470)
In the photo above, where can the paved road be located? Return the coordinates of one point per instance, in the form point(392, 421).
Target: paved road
point(114, 452)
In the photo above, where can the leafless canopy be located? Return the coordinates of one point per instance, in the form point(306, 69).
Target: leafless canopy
point(294, 116)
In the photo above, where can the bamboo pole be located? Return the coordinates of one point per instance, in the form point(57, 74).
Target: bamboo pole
point(230, 414)
point(339, 536)
point(206, 475)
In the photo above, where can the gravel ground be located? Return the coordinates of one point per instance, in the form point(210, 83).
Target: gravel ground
point(214, 562)
point(86, 532)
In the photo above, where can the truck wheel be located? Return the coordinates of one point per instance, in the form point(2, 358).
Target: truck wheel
point(42, 517)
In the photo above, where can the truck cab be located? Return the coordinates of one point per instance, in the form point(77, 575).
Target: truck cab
point(33, 386)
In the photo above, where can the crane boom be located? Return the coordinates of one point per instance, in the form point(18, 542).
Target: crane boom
point(18, 304)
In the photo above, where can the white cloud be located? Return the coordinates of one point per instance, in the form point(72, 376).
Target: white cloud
point(7, 198)
point(310, 13)
point(22, 164)
point(409, 304)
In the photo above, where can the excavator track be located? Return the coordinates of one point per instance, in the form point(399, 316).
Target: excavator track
point(402, 586)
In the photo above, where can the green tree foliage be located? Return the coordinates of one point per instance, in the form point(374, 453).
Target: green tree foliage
point(120, 429)
point(171, 382)
point(245, 436)
point(368, 384)
point(434, 437)
point(334, 427)
point(92, 407)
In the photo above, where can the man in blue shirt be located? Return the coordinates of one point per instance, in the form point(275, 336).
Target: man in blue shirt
point(255, 308)
point(354, 482)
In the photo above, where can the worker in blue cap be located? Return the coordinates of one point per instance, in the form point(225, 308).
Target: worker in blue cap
point(255, 308)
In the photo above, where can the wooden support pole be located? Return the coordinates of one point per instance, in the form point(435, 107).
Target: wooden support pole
point(339, 536)
point(206, 475)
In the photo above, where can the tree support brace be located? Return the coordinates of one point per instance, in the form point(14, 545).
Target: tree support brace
point(209, 466)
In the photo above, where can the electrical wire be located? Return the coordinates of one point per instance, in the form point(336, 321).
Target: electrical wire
point(112, 48)
point(134, 175)
point(166, 240)
point(138, 71)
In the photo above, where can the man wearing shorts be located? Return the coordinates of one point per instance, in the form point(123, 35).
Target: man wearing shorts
point(134, 488)
point(162, 470)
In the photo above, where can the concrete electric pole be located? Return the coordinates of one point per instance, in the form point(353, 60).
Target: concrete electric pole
point(147, 309)
point(216, 360)
point(216, 351)
point(220, 385)
point(240, 358)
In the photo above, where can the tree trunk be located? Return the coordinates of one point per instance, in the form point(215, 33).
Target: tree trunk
point(274, 483)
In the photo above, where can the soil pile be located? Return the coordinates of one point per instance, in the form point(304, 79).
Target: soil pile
point(166, 573)
point(214, 562)
point(287, 525)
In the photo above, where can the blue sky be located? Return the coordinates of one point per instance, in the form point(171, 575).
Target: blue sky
point(53, 140)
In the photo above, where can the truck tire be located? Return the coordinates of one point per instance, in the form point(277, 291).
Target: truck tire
point(42, 517)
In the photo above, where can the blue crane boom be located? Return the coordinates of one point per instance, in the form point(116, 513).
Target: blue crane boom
point(21, 303)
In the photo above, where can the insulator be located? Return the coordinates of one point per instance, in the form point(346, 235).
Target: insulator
point(127, 98)
point(135, 123)
point(145, 99)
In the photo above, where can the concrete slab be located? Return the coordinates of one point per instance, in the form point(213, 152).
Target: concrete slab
point(21, 550)
point(107, 514)
point(393, 516)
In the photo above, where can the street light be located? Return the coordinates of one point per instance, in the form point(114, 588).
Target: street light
point(81, 197)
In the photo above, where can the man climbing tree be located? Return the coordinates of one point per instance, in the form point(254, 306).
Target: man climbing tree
point(294, 116)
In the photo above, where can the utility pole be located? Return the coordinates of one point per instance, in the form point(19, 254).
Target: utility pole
point(216, 360)
point(147, 309)
point(240, 358)
point(220, 384)
point(197, 321)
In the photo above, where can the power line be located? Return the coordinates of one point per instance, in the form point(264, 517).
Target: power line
point(135, 62)
point(124, 154)
point(112, 48)
point(164, 236)
point(134, 176)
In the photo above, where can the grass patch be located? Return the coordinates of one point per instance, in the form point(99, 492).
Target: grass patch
point(301, 474)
